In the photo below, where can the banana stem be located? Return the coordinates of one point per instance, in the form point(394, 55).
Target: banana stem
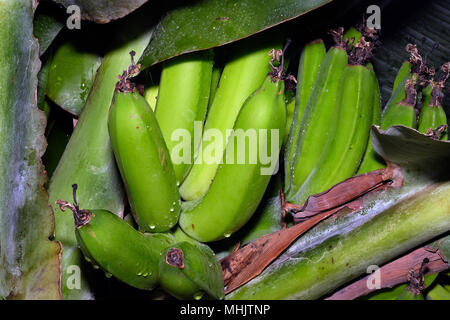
point(354, 246)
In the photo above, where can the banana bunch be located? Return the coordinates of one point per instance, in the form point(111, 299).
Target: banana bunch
point(336, 105)
point(179, 197)
point(197, 150)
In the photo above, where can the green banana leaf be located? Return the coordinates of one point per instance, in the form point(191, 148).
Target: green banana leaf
point(29, 260)
point(209, 23)
point(72, 73)
point(103, 11)
point(390, 224)
point(48, 22)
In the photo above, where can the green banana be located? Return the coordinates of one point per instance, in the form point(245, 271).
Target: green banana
point(182, 100)
point(371, 160)
point(432, 114)
point(189, 270)
point(100, 235)
point(402, 72)
point(399, 110)
point(313, 131)
point(151, 95)
point(349, 133)
point(143, 160)
point(238, 187)
point(215, 78)
point(88, 159)
point(310, 60)
point(240, 77)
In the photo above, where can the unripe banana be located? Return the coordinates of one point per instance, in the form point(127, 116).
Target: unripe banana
point(183, 99)
point(144, 162)
point(188, 270)
point(394, 114)
point(151, 95)
point(402, 73)
point(349, 133)
point(242, 179)
point(371, 160)
point(313, 132)
point(310, 61)
point(432, 114)
point(121, 251)
point(400, 109)
point(240, 77)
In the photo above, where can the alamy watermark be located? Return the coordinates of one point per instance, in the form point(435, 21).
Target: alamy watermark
point(374, 20)
point(74, 20)
point(251, 146)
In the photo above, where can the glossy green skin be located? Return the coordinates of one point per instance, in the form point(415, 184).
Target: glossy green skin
point(431, 116)
point(371, 160)
point(290, 109)
point(308, 68)
point(399, 114)
point(120, 250)
point(88, 159)
point(144, 163)
point(402, 73)
point(317, 119)
point(237, 189)
point(151, 95)
point(396, 111)
point(349, 133)
point(201, 274)
point(240, 78)
point(182, 99)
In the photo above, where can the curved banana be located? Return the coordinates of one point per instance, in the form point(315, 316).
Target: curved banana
point(313, 131)
point(349, 133)
point(144, 162)
point(100, 235)
point(240, 77)
point(241, 181)
point(182, 100)
point(402, 73)
point(432, 115)
point(310, 61)
point(188, 270)
point(371, 160)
